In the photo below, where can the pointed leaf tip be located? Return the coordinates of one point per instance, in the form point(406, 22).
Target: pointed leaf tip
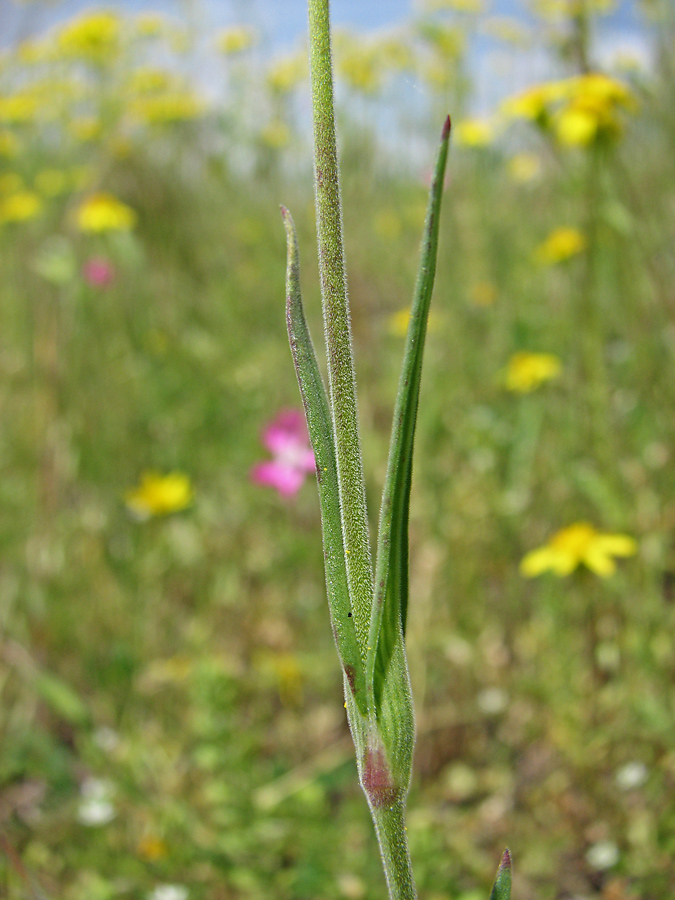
point(501, 890)
point(447, 125)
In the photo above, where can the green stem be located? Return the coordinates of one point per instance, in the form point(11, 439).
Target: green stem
point(341, 379)
point(393, 840)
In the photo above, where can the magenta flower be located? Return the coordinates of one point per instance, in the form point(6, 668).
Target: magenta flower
point(98, 272)
point(287, 440)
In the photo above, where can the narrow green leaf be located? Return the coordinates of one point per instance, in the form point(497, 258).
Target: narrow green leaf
point(389, 614)
point(501, 889)
point(317, 412)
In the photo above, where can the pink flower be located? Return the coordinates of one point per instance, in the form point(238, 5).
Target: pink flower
point(287, 440)
point(98, 272)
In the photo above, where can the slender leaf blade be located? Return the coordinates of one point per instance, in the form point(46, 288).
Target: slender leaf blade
point(319, 424)
point(501, 889)
point(390, 608)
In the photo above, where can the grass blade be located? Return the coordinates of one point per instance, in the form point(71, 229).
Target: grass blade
point(389, 614)
point(501, 889)
point(319, 424)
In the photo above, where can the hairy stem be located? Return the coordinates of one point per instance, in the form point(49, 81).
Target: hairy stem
point(392, 838)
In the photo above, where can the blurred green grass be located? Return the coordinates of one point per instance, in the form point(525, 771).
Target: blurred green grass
point(187, 662)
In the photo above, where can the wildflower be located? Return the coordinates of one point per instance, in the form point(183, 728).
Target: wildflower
point(287, 440)
point(526, 371)
point(20, 207)
point(235, 40)
point(96, 807)
point(94, 37)
point(98, 272)
point(159, 495)
point(287, 73)
point(524, 167)
point(461, 6)
point(577, 110)
point(357, 63)
point(578, 544)
point(169, 892)
point(474, 133)
point(17, 108)
point(174, 106)
point(152, 848)
point(561, 244)
point(148, 80)
point(603, 855)
point(276, 134)
point(103, 212)
point(631, 775)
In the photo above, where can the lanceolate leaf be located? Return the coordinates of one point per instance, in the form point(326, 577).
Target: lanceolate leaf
point(317, 412)
point(389, 614)
point(501, 890)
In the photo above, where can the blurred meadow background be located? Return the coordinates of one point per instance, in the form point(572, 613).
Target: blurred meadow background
point(171, 722)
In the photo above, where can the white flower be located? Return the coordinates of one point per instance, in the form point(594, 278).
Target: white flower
point(96, 806)
point(492, 701)
point(169, 892)
point(632, 775)
point(603, 855)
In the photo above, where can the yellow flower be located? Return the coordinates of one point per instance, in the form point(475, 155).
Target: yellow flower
point(576, 545)
point(177, 106)
point(561, 245)
point(152, 848)
point(276, 135)
point(103, 212)
point(577, 110)
point(20, 207)
point(524, 167)
point(235, 40)
point(358, 63)
point(159, 495)
point(287, 73)
point(21, 107)
point(148, 80)
point(474, 133)
point(94, 37)
point(461, 6)
point(526, 371)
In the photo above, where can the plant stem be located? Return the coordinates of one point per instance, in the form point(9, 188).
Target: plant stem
point(392, 838)
point(341, 379)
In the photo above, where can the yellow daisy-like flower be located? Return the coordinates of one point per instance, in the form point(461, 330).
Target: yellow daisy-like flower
point(525, 371)
point(93, 36)
point(159, 495)
point(576, 545)
point(474, 133)
point(103, 212)
point(20, 207)
point(15, 108)
point(561, 244)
